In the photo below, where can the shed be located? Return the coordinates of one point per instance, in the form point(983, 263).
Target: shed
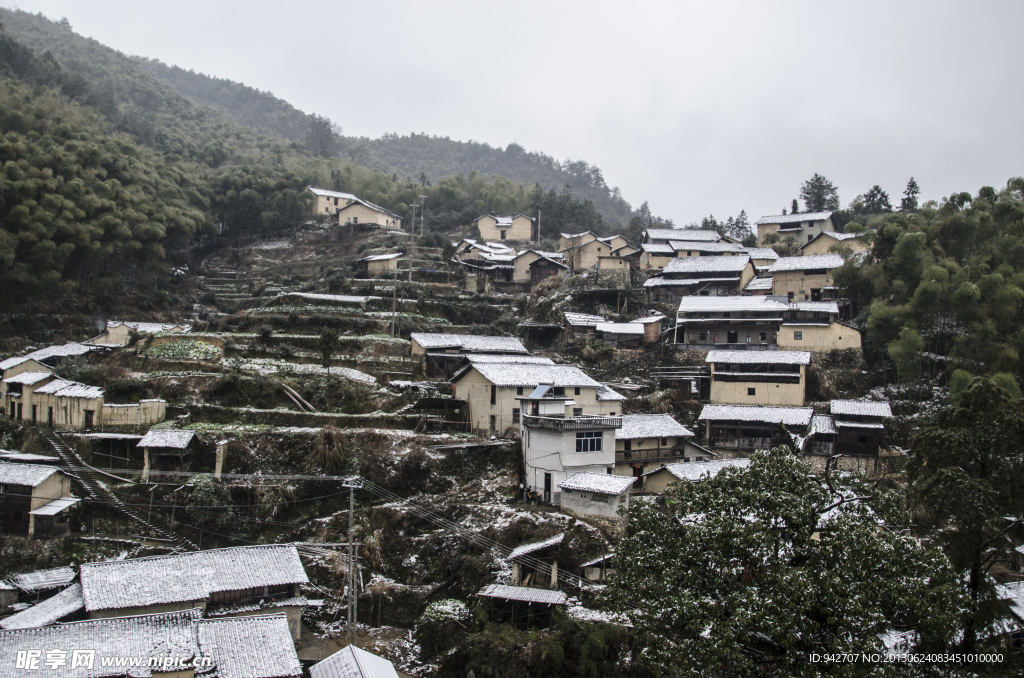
point(534, 564)
point(166, 450)
point(522, 606)
point(599, 495)
point(353, 662)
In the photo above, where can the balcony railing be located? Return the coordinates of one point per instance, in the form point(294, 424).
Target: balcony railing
point(653, 454)
point(581, 423)
point(744, 443)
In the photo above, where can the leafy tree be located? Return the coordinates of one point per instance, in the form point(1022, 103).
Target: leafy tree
point(326, 345)
point(876, 201)
point(906, 353)
point(749, 572)
point(909, 201)
point(965, 469)
point(819, 194)
point(323, 136)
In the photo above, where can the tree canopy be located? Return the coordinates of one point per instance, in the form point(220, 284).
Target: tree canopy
point(819, 194)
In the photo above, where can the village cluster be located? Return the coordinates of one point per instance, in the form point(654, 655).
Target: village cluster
point(751, 323)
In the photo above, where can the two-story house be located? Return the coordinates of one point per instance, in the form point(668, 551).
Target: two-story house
point(518, 227)
point(854, 429)
point(648, 441)
point(327, 202)
point(34, 500)
point(800, 227)
point(828, 242)
point(758, 377)
point(805, 278)
point(714, 275)
point(738, 430)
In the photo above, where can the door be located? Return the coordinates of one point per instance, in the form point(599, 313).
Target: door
point(88, 418)
point(19, 411)
point(49, 416)
point(33, 414)
point(547, 488)
point(732, 337)
point(638, 477)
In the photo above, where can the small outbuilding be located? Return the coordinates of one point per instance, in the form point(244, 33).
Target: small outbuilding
point(353, 662)
point(167, 450)
point(522, 606)
point(598, 495)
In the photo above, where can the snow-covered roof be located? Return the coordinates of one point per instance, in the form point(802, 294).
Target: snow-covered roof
point(605, 392)
point(176, 438)
point(583, 319)
point(840, 237)
point(48, 611)
point(485, 358)
point(692, 234)
point(815, 306)
point(148, 328)
point(759, 357)
point(620, 328)
point(524, 594)
point(187, 577)
point(9, 455)
point(469, 342)
point(814, 261)
point(733, 263)
point(705, 246)
point(1013, 593)
point(28, 378)
point(31, 475)
point(638, 426)
point(821, 423)
point(65, 351)
point(759, 284)
point(250, 647)
point(570, 236)
point(532, 547)
point(70, 389)
point(54, 507)
point(601, 483)
point(382, 257)
point(353, 662)
point(330, 194)
point(763, 304)
point(793, 218)
point(701, 470)
point(13, 362)
point(790, 416)
point(337, 298)
point(860, 408)
point(369, 205)
point(688, 282)
point(761, 252)
point(650, 319)
point(40, 580)
point(658, 248)
point(531, 375)
point(839, 423)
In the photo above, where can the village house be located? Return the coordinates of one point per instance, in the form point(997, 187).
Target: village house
point(535, 564)
point(738, 430)
point(648, 441)
point(250, 647)
point(698, 248)
point(63, 607)
point(15, 366)
point(229, 582)
point(491, 260)
point(581, 325)
point(34, 500)
point(329, 202)
point(716, 275)
point(519, 227)
point(664, 236)
point(353, 662)
point(595, 495)
point(633, 334)
point(658, 480)
point(805, 278)
point(567, 240)
point(42, 398)
point(655, 256)
point(441, 353)
point(362, 213)
point(491, 391)
point(521, 606)
point(530, 266)
point(51, 356)
point(758, 377)
point(600, 254)
point(815, 326)
point(854, 429)
point(558, 439)
point(800, 227)
point(828, 242)
point(763, 258)
point(121, 332)
point(380, 265)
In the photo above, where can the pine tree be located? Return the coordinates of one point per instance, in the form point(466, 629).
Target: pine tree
point(795, 208)
point(819, 194)
point(909, 201)
point(876, 201)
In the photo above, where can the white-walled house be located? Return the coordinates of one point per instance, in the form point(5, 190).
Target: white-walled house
point(598, 495)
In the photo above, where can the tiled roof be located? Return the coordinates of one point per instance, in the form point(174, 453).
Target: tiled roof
point(650, 319)
point(636, 426)
point(382, 257)
point(469, 342)
point(790, 416)
point(759, 357)
point(692, 234)
point(28, 378)
point(70, 389)
point(370, 205)
point(722, 304)
point(486, 358)
point(174, 438)
point(620, 328)
point(41, 580)
point(524, 594)
point(761, 252)
point(822, 423)
point(698, 246)
point(658, 248)
point(813, 261)
point(65, 351)
point(531, 375)
point(48, 611)
point(829, 234)
point(713, 264)
point(532, 547)
point(607, 393)
point(188, 577)
point(353, 662)
point(794, 218)
point(570, 236)
point(1013, 593)
point(250, 647)
point(815, 306)
point(861, 408)
point(759, 284)
point(601, 483)
point(31, 475)
point(13, 362)
point(330, 194)
point(583, 319)
point(702, 470)
point(687, 282)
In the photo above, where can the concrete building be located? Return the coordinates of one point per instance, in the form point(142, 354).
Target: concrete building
point(758, 377)
point(595, 495)
point(805, 278)
point(34, 500)
point(799, 227)
point(658, 480)
point(738, 430)
point(519, 227)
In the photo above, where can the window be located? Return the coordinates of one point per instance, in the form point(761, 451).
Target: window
point(810, 237)
point(558, 391)
point(502, 235)
point(628, 445)
point(515, 415)
point(577, 391)
point(494, 423)
point(577, 411)
point(703, 336)
point(798, 335)
point(335, 202)
point(751, 391)
point(664, 442)
point(355, 220)
point(519, 390)
point(589, 441)
point(612, 413)
point(494, 394)
point(790, 295)
point(764, 337)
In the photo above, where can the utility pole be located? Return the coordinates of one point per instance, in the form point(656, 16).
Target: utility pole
point(412, 239)
point(353, 600)
point(423, 214)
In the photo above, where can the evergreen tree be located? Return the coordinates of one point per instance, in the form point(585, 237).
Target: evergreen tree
point(876, 201)
point(795, 207)
point(909, 201)
point(819, 194)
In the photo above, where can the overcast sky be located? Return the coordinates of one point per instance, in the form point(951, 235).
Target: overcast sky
point(698, 107)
